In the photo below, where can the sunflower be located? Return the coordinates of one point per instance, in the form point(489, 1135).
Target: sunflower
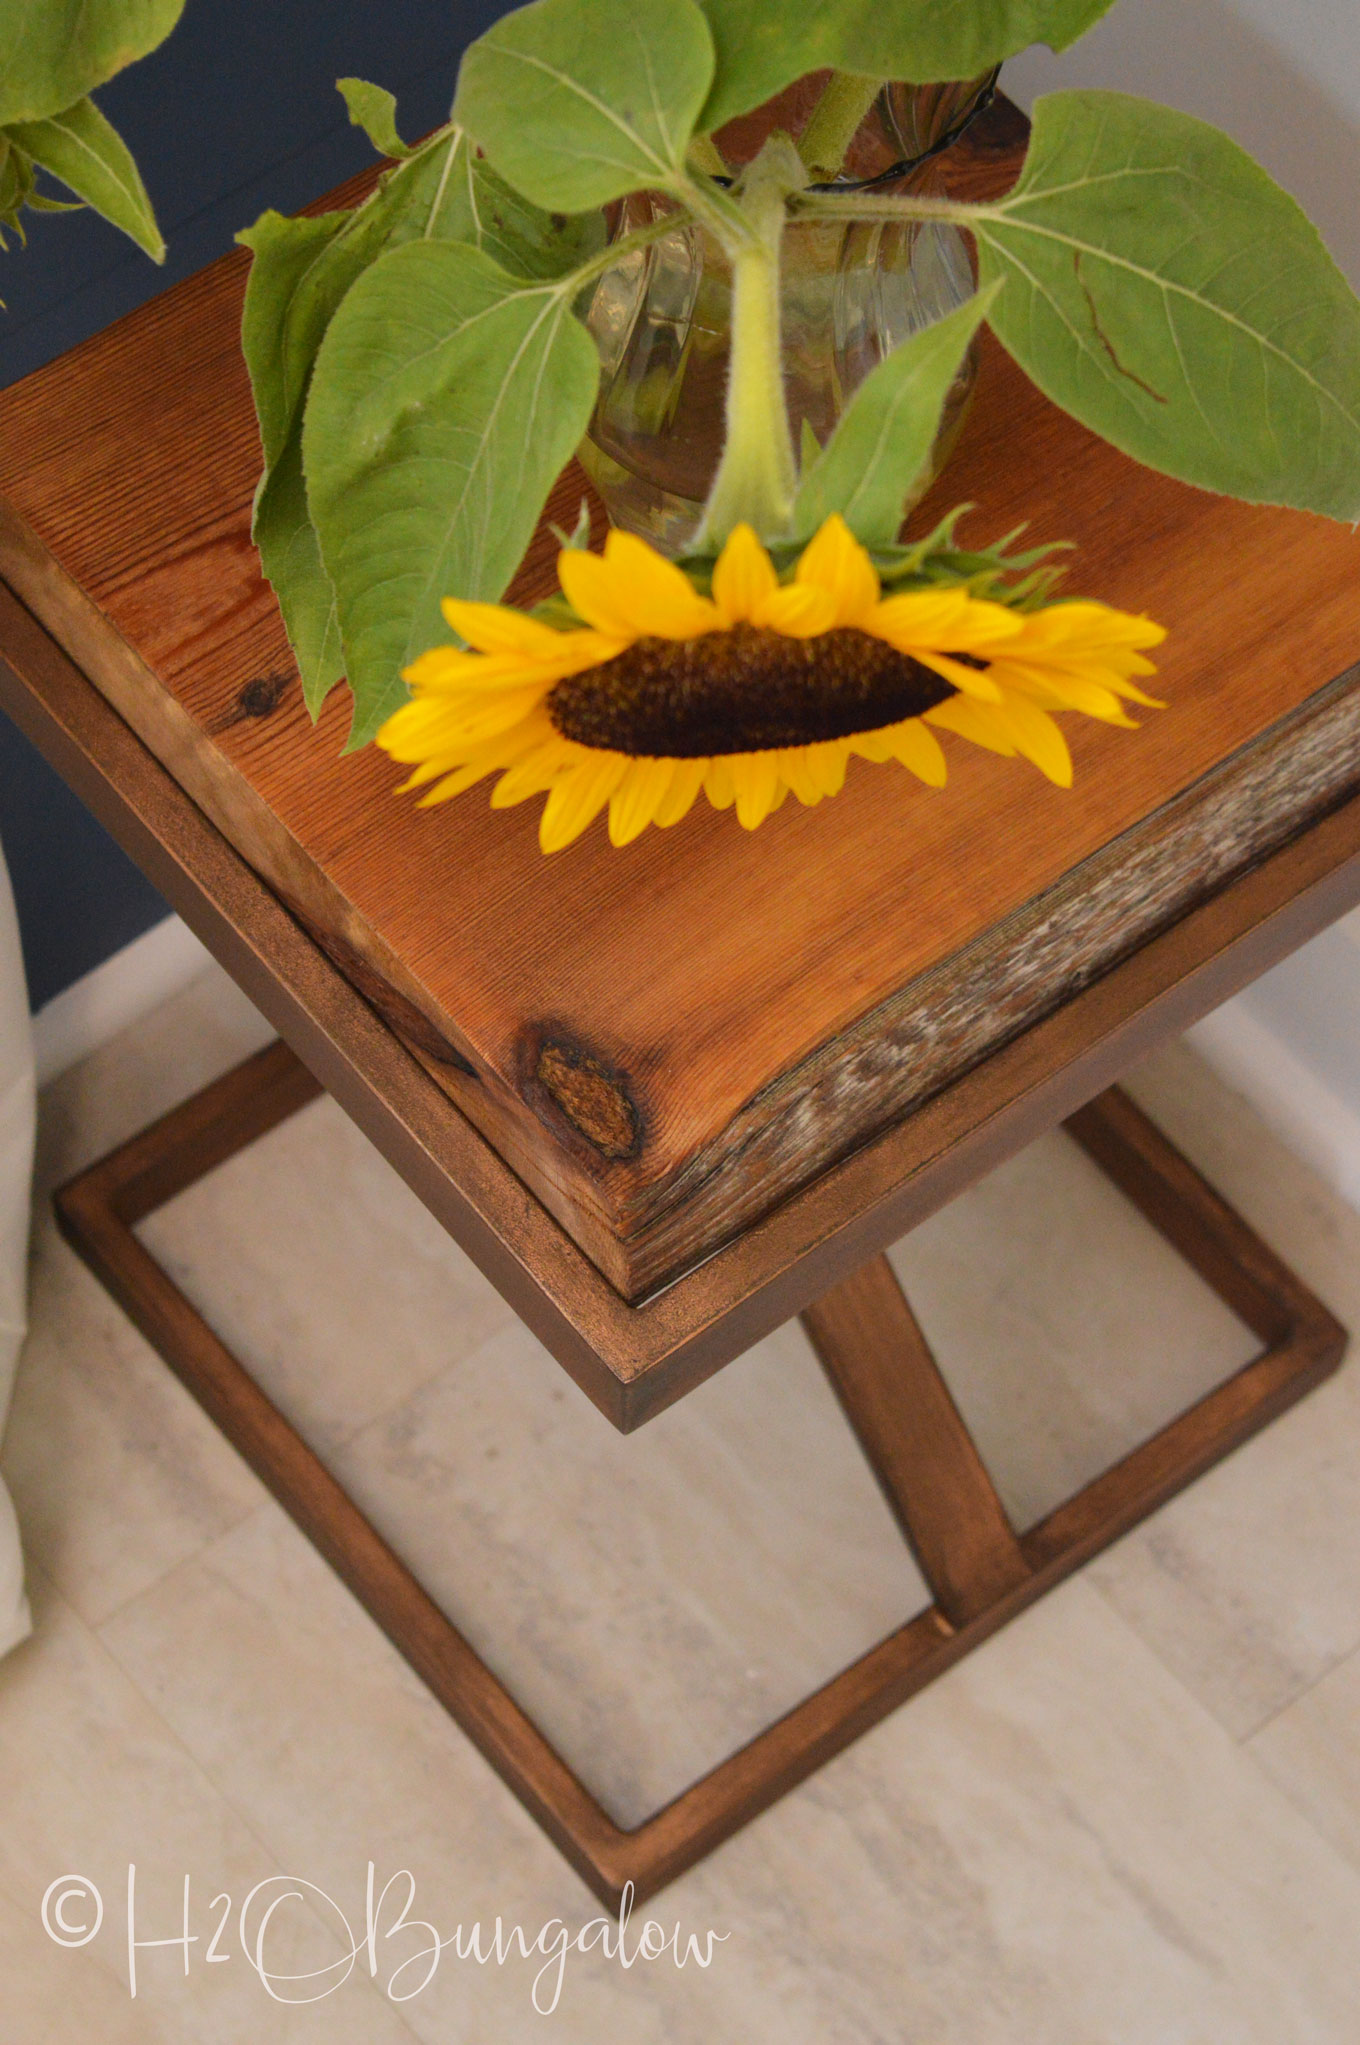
point(761, 690)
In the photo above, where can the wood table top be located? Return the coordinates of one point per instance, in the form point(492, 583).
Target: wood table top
point(732, 1012)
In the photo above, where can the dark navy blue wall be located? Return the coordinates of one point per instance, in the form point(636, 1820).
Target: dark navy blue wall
point(236, 112)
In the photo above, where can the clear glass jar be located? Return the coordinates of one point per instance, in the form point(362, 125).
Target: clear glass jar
point(852, 293)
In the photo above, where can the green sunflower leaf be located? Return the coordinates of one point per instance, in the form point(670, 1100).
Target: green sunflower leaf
point(290, 553)
point(304, 267)
point(447, 397)
point(885, 436)
point(16, 188)
point(54, 52)
point(763, 45)
point(39, 202)
point(286, 313)
point(1162, 289)
point(91, 159)
point(303, 270)
point(374, 109)
point(577, 102)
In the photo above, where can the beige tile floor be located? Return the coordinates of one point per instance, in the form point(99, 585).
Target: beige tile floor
point(1132, 1819)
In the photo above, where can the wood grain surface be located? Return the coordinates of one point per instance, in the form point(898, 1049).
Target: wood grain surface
point(664, 1042)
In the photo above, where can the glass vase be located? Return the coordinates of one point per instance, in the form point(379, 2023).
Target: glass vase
point(852, 292)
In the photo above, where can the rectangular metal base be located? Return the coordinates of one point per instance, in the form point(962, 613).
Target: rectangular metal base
point(980, 1572)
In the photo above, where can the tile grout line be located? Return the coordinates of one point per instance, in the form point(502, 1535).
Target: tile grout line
point(1211, 1720)
point(1243, 1739)
point(1348, 1654)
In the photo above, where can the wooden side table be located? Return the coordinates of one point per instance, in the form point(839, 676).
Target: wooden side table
point(668, 1098)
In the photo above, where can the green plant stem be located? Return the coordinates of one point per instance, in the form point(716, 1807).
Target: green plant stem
point(713, 208)
point(615, 251)
point(757, 478)
point(880, 206)
point(836, 120)
point(704, 156)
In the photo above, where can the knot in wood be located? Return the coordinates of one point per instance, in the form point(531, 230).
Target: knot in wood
point(593, 1099)
point(262, 697)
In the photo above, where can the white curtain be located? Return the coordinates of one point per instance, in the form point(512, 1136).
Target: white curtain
point(16, 1166)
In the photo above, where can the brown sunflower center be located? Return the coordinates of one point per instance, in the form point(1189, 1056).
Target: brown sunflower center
point(745, 690)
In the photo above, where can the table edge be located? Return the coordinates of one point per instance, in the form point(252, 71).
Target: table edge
point(634, 1360)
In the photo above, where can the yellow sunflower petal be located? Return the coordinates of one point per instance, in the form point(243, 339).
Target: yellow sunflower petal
point(441, 667)
point(744, 578)
point(971, 680)
point(719, 785)
point(478, 721)
point(1015, 668)
point(836, 562)
point(479, 675)
point(687, 780)
point(453, 784)
point(535, 773)
point(631, 592)
point(755, 777)
point(875, 746)
point(578, 798)
point(463, 767)
point(828, 761)
point(434, 724)
point(1054, 690)
point(1038, 738)
point(1087, 627)
point(1087, 644)
point(799, 611)
point(978, 722)
point(944, 620)
point(797, 772)
point(495, 628)
point(429, 770)
point(404, 733)
point(637, 799)
point(919, 751)
point(759, 788)
point(1121, 686)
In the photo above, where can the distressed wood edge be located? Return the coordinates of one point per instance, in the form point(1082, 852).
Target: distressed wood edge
point(880, 1054)
point(880, 1192)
